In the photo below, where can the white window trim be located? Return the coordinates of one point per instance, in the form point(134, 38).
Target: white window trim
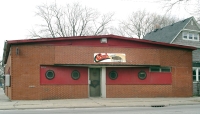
point(197, 74)
point(193, 34)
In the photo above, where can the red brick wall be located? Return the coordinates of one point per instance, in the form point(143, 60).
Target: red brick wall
point(26, 71)
point(181, 63)
point(128, 91)
point(85, 55)
point(63, 91)
point(26, 75)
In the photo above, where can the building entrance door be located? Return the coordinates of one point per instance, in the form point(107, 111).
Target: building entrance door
point(94, 79)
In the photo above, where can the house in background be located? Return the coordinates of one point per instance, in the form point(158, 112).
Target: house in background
point(185, 32)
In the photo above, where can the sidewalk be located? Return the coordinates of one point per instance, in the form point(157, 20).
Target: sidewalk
point(6, 104)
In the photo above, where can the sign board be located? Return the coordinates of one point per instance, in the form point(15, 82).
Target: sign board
point(109, 57)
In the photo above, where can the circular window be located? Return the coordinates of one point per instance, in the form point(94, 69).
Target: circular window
point(75, 75)
point(142, 75)
point(113, 75)
point(50, 74)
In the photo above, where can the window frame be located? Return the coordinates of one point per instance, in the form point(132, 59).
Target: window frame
point(72, 74)
point(166, 68)
point(116, 75)
point(185, 34)
point(192, 36)
point(160, 69)
point(51, 77)
point(142, 78)
point(195, 35)
point(195, 76)
point(154, 68)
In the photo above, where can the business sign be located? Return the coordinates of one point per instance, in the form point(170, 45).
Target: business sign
point(109, 57)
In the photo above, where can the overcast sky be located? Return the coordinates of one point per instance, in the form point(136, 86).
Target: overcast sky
point(18, 16)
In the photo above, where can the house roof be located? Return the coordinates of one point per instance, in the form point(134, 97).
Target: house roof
point(9, 43)
point(168, 33)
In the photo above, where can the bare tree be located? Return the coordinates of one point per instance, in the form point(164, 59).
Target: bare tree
point(196, 11)
point(71, 20)
point(160, 21)
point(1, 69)
point(190, 6)
point(142, 22)
point(1, 73)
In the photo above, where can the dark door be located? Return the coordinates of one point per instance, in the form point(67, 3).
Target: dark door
point(94, 78)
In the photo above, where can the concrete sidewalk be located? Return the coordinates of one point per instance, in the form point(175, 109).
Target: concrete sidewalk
point(6, 104)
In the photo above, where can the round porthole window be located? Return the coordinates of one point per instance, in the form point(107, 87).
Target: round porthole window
point(75, 75)
point(113, 75)
point(50, 74)
point(142, 75)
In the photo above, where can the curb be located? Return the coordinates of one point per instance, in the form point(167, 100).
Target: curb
point(102, 106)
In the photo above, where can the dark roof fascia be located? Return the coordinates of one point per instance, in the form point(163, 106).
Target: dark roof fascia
point(8, 44)
point(59, 39)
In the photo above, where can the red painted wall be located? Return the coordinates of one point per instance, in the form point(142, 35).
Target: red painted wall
point(63, 75)
point(129, 75)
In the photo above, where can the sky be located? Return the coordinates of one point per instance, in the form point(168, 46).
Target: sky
point(18, 16)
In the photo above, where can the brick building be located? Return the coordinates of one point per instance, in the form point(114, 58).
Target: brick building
point(185, 32)
point(106, 66)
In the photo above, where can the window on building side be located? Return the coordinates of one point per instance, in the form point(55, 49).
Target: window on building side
point(165, 69)
point(142, 75)
point(198, 75)
point(50, 74)
point(75, 75)
point(113, 75)
point(195, 36)
point(185, 35)
point(160, 69)
point(194, 75)
point(155, 69)
point(190, 36)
